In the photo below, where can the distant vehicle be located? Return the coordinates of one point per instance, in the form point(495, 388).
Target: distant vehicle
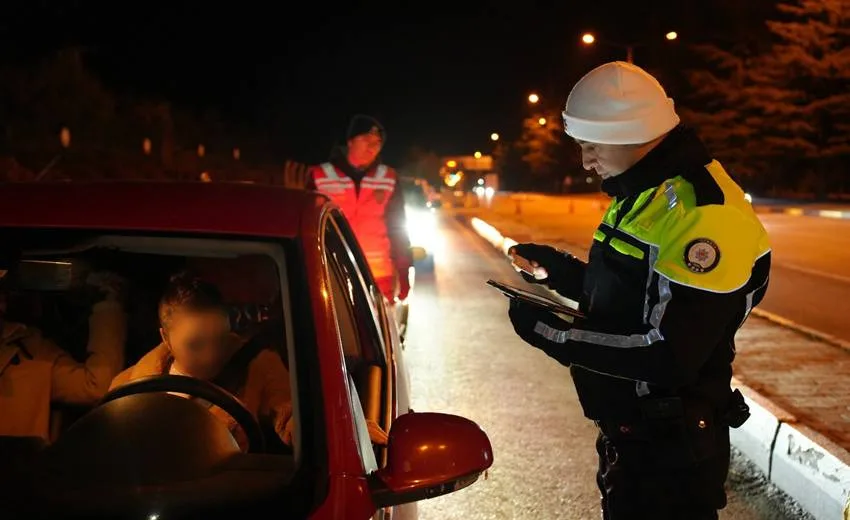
point(422, 226)
point(145, 453)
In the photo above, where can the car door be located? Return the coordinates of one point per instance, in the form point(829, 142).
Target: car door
point(370, 357)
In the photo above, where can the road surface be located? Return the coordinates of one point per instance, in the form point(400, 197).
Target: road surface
point(464, 358)
point(810, 277)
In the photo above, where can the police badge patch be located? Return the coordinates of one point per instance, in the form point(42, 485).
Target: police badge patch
point(702, 255)
point(380, 196)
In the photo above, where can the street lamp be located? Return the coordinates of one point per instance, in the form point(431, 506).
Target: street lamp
point(533, 98)
point(494, 136)
point(65, 137)
point(477, 155)
point(590, 39)
point(451, 164)
point(146, 146)
point(542, 121)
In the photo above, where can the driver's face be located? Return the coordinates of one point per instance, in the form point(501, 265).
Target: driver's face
point(200, 342)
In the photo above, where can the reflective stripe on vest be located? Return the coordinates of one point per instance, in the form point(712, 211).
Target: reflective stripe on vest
point(365, 211)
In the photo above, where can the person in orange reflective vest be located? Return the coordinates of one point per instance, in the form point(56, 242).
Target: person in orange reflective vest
point(367, 192)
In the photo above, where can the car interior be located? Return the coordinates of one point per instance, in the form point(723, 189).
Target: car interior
point(46, 288)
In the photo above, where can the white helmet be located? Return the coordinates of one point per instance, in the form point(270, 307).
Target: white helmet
point(618, 103)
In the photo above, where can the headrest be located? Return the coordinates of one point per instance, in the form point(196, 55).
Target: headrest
point(250, 279)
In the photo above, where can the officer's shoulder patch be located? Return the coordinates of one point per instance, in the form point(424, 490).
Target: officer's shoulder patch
point(702, 255)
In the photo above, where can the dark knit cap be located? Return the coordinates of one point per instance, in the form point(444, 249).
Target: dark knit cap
point(362, 124)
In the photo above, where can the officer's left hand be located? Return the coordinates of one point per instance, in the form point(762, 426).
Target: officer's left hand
point(403, 285)
point(525, 319)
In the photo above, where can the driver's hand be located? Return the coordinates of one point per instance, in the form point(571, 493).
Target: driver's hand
point(286, 437)
point(111, 286)
point(376, 433)
point(233, 426)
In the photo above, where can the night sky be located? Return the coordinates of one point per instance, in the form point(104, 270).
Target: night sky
point(437, 75)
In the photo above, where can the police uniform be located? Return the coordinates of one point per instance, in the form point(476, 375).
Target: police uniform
point(676, 266)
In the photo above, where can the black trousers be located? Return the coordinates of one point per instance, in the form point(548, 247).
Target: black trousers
point(635, 486)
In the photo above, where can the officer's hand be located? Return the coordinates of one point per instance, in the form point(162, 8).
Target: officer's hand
point(524, 318)
point(538, 327)
point(566, 272)
point(403, 285)
point(538, 255)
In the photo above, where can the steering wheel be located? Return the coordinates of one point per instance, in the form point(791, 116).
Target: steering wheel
point(205, 390)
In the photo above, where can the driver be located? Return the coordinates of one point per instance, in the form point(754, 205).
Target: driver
point(197, 342)
point(35, 372)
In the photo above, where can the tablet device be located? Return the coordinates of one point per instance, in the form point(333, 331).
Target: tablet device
point(542, 302)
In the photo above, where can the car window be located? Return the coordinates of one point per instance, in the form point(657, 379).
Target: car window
point(361, 337)
point(364, 297)
point(57, 281)
point(359, 258)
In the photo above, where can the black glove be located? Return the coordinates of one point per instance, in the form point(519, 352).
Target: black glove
point(566, 272)
point(540, 329)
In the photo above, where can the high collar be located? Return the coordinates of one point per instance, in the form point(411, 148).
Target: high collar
point(680, 152)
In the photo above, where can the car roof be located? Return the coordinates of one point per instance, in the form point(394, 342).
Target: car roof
point(187, 207)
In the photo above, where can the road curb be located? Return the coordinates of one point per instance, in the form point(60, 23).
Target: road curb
point(801, 329)
point(803, 212)
point(807, 466)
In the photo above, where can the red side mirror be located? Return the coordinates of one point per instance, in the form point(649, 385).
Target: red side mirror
point(430, 454)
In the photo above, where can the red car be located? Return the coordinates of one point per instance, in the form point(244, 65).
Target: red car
point(145, 453)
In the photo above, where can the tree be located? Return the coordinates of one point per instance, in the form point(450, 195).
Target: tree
point(36, 103)
point(424, 164)
point(725, 115)
point(783, 110)
point(539, 142)
point(801, 87)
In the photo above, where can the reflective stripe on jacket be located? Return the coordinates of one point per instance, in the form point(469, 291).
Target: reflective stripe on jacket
point(365, 211)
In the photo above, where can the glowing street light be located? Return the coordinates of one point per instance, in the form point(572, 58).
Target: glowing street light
point(237, 153)
point(201, 150)
point(477, 155)
point(451, 164)
point(542, 121)
point(146, 146)
point(494, 136)
point(533, 98)
point(65, 137)
point(590, 39)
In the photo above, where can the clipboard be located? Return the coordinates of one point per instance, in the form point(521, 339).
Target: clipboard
point(542, 302)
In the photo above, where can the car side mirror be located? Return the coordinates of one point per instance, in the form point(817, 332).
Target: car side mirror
point(428, 455)
point(418, 253)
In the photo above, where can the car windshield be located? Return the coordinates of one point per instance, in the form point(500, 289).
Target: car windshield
point(110, 309)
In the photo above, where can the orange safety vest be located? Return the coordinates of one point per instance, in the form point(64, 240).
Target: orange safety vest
point(365, 211)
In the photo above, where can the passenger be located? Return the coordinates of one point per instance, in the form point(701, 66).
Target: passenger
point(197, 342)
point(35, 372)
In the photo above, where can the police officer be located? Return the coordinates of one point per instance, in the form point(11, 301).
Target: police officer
point(676, 266)
point(368, 195)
